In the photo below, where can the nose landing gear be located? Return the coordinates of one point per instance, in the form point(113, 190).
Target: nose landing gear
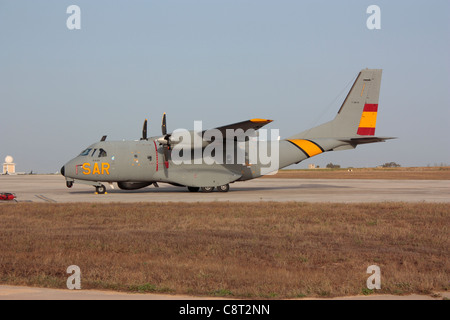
point(100, 189)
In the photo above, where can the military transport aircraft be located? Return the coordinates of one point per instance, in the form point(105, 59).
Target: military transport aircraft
point(185, 159)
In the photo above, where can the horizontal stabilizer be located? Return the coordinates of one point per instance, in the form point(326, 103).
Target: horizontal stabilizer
point(363, 140)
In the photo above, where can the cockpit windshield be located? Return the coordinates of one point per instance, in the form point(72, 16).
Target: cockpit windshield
point(86, 152)
point(102, 153)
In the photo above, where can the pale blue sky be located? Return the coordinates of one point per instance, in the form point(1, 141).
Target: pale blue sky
point(219, 61)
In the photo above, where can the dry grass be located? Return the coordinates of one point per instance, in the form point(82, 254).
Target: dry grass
point(414, 173)
point(248, 250)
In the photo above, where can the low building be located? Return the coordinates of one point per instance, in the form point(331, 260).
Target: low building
point(9, 167)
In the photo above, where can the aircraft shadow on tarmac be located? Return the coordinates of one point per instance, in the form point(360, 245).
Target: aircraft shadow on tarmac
point(235, 189)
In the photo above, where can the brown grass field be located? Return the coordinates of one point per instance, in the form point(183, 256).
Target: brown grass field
point(247, 250)
point(407, 173)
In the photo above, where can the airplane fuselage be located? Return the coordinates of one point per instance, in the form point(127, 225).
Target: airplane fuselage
point(143, 161)
point(218, 158)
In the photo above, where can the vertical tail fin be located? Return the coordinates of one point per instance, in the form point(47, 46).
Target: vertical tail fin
point(358, 114)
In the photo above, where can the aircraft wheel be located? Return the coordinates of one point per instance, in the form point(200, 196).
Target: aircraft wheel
point(101, 189)
point(69, 184)
point(193, 189)
point(224, 188)
point(207, 189)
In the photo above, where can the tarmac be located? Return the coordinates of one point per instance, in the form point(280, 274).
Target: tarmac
point(52, 189)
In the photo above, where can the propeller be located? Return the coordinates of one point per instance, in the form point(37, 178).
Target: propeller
point(163, 125)
point(144, 131)
point(165, 141)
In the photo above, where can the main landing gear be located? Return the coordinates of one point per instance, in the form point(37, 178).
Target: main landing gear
point(224, 188)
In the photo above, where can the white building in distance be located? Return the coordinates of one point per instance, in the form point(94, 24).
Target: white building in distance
point(9, 167)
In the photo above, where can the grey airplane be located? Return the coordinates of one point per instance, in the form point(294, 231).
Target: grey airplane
point(212, 159)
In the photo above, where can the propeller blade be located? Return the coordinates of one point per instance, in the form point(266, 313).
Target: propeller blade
point(144, 131)
point(166, 155)
point(166, 142)
point(163, 125)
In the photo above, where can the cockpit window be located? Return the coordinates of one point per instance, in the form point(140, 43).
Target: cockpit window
point(102, 153)
point(86, 152)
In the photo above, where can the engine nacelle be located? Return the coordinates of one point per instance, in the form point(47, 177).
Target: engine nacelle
point(133, 185)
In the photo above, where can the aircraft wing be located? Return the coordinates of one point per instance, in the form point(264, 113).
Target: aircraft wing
point(254, 124)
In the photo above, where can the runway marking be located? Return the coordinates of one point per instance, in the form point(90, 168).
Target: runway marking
point(44, 198)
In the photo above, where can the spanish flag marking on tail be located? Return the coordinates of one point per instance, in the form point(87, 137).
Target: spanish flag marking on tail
point(308, 147)
point(368, 120)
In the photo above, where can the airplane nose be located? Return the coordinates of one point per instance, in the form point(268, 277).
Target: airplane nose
point(63, 171)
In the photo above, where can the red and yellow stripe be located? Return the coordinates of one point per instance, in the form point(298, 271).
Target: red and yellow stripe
point(308, 147)
point(368, 120)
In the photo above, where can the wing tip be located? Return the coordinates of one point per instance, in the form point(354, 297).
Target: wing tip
point(257, 120)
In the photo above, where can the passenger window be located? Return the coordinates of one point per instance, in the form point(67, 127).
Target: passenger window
point(102, 153)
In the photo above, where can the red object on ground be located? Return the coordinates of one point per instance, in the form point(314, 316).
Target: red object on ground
point(7, 196)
